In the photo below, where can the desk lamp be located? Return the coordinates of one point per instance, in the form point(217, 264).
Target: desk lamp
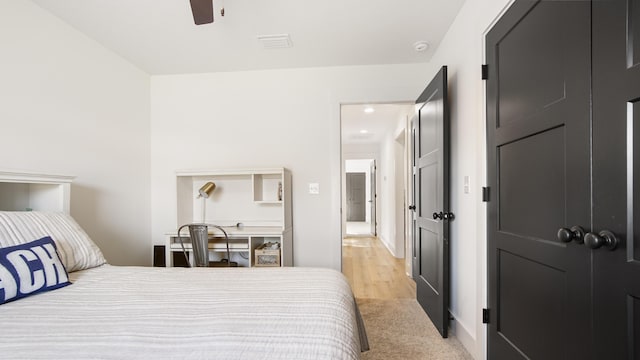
point(204, 193)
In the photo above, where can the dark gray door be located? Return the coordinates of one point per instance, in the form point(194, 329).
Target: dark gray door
point(616, 178)
point(372, 202)
point(431, 197)
point(356, 194)
point(538, 100)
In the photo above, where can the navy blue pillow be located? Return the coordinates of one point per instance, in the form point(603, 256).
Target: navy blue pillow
point(30, 268)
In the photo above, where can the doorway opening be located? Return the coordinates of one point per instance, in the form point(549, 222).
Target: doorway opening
point(375, 193)
point(360, 194)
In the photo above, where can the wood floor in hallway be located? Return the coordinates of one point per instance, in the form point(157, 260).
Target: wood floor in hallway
point(396, 325)
point(373, 272)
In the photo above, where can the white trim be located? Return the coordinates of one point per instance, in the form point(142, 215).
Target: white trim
point(336, 100)
point(462, 333)
point(387, 246)
point(209, 172)
point(33, 177)
point(482, 261)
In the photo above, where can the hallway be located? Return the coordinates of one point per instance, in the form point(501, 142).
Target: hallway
point(396, 325)
point(358, 228)
point(373, 272)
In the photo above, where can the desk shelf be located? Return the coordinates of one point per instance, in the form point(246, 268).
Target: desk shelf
point(258, 199)
point(241, 241)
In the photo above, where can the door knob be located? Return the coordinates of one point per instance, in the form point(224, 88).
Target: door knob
point(443, 216)
point(567, 235)
point(604, 238)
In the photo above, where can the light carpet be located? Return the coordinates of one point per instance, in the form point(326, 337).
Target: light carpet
point(399, 329)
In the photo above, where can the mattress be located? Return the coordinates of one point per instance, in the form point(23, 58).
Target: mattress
point(113, 312)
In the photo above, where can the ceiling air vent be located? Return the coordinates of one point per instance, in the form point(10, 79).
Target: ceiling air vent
point(278, 41)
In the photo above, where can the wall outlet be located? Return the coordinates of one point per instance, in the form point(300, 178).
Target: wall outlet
point(314, 188)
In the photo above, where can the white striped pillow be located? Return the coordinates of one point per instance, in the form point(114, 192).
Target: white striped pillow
point(77, 251)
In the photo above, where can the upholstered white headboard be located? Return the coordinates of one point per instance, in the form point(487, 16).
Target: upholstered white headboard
point(24, 191)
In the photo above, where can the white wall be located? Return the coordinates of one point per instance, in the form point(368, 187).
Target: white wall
point(287, 118)
point(389, 185)
point(69, 106)
point(400, 175)
point(386, 196)
point(462, 51)
point(361, 166)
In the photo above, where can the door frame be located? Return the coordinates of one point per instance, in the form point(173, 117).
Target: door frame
point(373, 196)
point(339, 180)
point(343, 188)
point(481, 226)
point(408, 195)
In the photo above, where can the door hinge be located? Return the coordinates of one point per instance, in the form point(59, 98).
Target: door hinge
point(485, 72)
point(485, 194)
point(485, 316)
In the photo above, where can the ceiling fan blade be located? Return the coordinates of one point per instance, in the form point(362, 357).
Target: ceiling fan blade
point(202, 11)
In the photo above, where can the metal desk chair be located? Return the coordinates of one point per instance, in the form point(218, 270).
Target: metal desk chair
point(199, 235)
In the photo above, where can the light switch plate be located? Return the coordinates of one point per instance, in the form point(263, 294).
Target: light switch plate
point(466, 184)
point(314, 188)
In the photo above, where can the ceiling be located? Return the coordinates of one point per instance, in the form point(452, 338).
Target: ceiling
point(159, 36)
point(377, 124)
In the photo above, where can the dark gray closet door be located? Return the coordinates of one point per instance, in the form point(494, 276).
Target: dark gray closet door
point(616, 178)
point(431, 196)
point(356, 196)
point(538, 116)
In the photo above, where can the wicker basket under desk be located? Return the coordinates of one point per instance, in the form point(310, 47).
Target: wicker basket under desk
point(266, 257)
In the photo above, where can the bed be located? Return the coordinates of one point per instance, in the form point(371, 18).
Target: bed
point(114, 312)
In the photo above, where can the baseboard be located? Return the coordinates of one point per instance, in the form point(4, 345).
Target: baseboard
point(358, 235)
point(387, 246)
point(464, 336)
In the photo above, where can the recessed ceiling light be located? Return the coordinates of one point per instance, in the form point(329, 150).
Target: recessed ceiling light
point(420, 46)
point(369, 110)
point(364, 131)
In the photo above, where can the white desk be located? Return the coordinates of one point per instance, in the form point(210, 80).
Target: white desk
point(242, 243)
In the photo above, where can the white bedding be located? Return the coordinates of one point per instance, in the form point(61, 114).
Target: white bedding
point(112, 312)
